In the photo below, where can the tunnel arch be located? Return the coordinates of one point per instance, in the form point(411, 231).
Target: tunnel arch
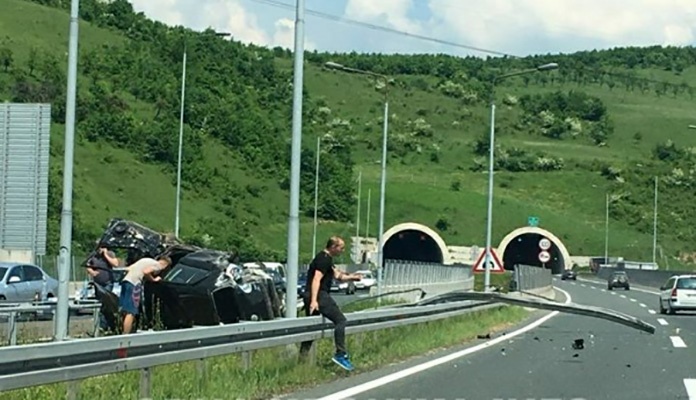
point(414, 242)
point(529, 236)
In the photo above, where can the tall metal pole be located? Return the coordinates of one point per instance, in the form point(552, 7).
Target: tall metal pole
point(382, 193)
point(606, 234)
point(489, 216)
point(367, 216)
point(654, 254)
point(181, 145)
point(66, 212)
point(296, 147)
point(316, 198)
point(357, 219)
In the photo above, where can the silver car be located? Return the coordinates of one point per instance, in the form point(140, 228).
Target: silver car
point(25, 282)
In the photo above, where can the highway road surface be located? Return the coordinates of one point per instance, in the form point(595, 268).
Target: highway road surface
point(615, 362)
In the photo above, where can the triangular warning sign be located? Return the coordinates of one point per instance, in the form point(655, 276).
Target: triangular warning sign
point(496, 266)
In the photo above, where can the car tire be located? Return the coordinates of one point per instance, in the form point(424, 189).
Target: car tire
point(662, 309)
point(610, 288)
point(628, 288)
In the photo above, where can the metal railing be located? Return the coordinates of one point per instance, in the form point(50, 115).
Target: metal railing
point(415, 273)
point(39, 364)
point(13, 312)
point(529, 277)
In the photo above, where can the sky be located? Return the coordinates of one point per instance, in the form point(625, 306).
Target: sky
point(516, 27)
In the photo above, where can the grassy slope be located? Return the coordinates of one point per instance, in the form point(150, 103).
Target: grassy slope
point(569, 203)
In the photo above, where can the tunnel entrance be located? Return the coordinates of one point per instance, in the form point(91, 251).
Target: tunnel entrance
point(413, 245)
point(523, 248)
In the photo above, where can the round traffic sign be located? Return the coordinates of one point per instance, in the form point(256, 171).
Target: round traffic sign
point(544, 244)
point(544, 256)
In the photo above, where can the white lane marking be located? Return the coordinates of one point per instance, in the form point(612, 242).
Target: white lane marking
point(662, 321)
point(642, 305)
point(592, 287)
point(623, 296)
point(652, 311)
point(604, 290)
point(690, 385)
point(613, 293)
point(677, 341)
point(351, 392)
point(583, 285)
point(573, 283)
point(633, 300)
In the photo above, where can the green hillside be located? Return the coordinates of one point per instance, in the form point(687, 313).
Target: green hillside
point(605, 121)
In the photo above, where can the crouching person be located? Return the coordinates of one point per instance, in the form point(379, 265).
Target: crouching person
point(132, 287)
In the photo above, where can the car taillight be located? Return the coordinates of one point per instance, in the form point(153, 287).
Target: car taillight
point(674, 292)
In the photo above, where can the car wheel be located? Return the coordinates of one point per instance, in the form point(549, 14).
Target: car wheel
point(628, 288)
point(662, 309)
point(670, 310)
point(610, 288)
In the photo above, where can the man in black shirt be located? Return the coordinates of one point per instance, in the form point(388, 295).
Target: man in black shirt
point(317, 298)
point(100, 268)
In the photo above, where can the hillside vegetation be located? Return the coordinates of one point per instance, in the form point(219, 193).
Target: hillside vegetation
point(606, 121)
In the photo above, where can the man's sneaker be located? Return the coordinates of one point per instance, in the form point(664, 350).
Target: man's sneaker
point(343, 361)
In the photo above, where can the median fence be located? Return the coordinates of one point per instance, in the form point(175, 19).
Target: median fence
point(432, 278)
point(529, 278)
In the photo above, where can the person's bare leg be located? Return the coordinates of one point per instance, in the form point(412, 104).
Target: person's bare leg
point(128, 323)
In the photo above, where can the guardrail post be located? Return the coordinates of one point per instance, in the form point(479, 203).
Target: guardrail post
point(73, 390)
point(12, 328)
point(145, 383)
point(97, 322)
point(246, 360)
point(202, 369)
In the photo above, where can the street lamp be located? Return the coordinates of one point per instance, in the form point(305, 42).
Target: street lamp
point(491, 155)
point(181, 136)
point(383, 184)
point(316, 199)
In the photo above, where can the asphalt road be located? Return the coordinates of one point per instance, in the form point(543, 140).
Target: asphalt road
point(616, 362)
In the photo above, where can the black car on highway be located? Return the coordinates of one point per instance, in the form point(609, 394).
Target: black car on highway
point(618, 279)
point(569, 274)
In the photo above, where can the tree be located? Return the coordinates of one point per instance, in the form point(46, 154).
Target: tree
point(6, 58)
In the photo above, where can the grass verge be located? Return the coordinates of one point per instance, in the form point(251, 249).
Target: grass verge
point(275, 371)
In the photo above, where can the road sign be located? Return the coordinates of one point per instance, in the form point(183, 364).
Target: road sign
point(544, 256)
point(544, 244)
point(496, 267)
point(533, 221)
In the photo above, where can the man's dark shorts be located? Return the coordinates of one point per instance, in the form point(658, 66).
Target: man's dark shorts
point(129, 301)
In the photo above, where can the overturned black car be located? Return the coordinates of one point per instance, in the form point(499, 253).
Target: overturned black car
point(201, 287)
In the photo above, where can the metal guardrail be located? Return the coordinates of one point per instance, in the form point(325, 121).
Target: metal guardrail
point(14, 310)
point(39, 364)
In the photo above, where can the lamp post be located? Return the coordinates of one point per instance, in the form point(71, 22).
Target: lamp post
point(491, 156)
point(606, 233)
point(295, 162)
point(654, 253)
point(383, 183)
point(316, 198)
point(181, 136)
point(62, 308)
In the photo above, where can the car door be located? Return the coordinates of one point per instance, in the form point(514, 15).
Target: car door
point(35, 281)
point(16, 286)
point(686, 291)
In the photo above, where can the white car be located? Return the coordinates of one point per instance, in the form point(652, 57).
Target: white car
point(678, 293)
point(367, 281)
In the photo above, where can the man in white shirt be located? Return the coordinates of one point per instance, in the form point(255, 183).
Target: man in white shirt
point(132, 286)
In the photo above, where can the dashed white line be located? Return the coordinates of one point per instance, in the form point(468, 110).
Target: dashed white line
point(652, 311)
point(613, 293)
point(623, 296)
point(573, 283)
point(604, 290)
point(583, 285)
point(677, 341)
point(633, 300)
point(690, 385)
point(642, 305)
point(662, 321)
point(592, 287)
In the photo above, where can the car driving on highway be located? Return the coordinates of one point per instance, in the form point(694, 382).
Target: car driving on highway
point(678, 293)
point(618, 279)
